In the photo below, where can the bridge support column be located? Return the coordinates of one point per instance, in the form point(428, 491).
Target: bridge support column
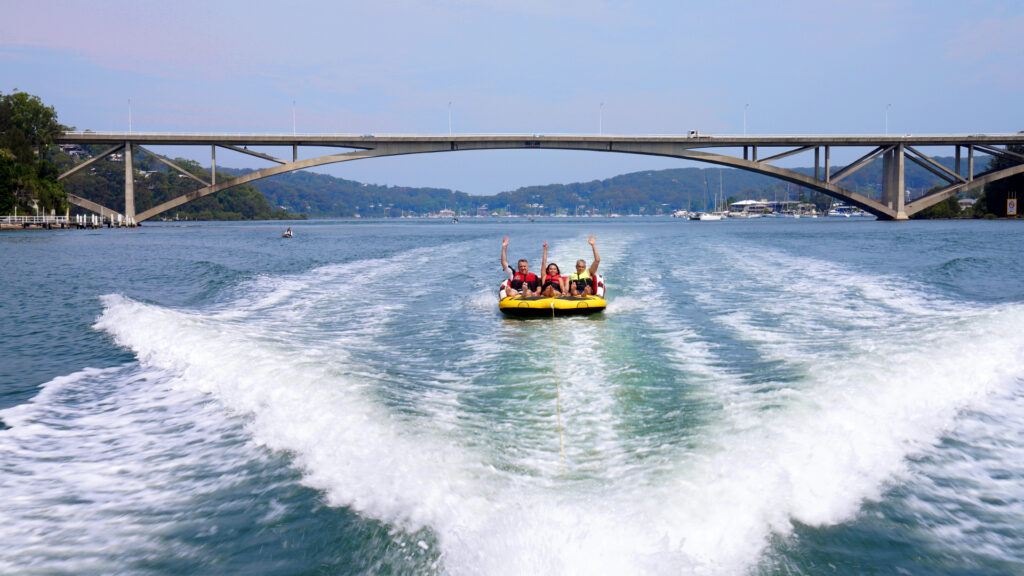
point(129, 185)
point(893, 183)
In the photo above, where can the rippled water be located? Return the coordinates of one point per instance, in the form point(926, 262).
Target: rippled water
point(765, 396)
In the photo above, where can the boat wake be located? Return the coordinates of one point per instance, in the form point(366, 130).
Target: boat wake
point(406, 413)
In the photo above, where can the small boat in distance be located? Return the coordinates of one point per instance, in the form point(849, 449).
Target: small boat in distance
point(287, 233)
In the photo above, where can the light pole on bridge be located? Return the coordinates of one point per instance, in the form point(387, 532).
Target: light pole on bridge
point(745, 107)
point(887, 106)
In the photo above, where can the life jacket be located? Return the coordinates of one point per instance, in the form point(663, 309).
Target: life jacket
point(581, 280)
point(555, 281)
point(518, 278)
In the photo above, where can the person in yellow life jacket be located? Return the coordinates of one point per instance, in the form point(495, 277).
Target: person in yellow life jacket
point(581, 283)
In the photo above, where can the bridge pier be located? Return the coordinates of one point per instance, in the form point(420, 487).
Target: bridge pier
point(129, 186)
point(893, 183)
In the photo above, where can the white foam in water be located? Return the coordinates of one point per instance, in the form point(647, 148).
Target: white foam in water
point(973, 500)
point(484, 301)
point(836, 441)
point(865, 406)
point(347, 446)
point(626, 304)
point(870, 401)
point(685, 347)
point(90, 458)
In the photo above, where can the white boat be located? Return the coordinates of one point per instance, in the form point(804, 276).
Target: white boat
point(710, 216)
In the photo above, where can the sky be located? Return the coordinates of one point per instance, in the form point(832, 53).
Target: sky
point(523, 66)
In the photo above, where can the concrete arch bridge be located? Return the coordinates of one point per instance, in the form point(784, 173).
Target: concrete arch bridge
point(753, 153)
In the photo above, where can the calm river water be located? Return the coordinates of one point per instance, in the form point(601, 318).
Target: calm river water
point(760, 397)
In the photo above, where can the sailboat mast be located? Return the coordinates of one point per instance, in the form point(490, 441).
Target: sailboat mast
point(706, 192)
point(721, 198)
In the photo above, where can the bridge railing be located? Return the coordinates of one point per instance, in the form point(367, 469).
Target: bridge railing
point(463, 135)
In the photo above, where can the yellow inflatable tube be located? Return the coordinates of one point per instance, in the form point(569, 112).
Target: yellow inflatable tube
point(540, 307)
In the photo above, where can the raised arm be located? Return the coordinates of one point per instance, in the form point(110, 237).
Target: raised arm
point(504, 255)
point(544, 264)
point(597, 259)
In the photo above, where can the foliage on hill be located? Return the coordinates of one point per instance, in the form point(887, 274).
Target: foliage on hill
point(948, 208)
point(155, 184)
point(27, 131)
point(30, 165)
point(323, 196)
point(993, 201)
point(648, 192)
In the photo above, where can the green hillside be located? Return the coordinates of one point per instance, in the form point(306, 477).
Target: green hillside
point(155, 183)
point(648, 192)
point(301, 194)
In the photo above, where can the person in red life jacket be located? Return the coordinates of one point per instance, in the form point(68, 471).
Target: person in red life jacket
point(553, 284)
point(521, 281)
point(581, 283)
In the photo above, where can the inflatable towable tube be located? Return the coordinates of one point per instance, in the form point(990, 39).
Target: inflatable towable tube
point(541, 307)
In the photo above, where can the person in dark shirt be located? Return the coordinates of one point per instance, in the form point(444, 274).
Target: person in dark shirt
point(521, 280)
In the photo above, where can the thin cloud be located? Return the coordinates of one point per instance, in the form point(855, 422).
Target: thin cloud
point(574, 10)
point(990, 50)
point(989, 39)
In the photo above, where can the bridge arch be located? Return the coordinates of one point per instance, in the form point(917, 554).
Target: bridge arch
point(893, 151)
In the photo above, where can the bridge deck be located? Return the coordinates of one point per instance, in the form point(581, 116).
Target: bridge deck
point(700, 141)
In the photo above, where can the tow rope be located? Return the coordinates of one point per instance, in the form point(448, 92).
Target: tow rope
point(558, 394)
